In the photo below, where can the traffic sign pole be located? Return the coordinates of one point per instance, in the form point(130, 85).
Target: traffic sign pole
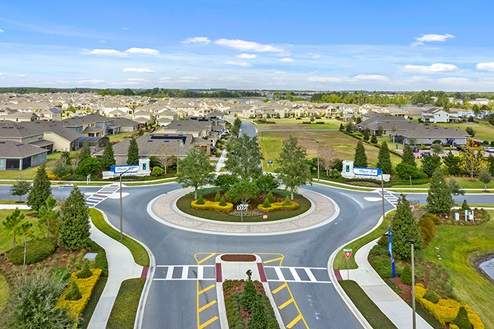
point(348, 253)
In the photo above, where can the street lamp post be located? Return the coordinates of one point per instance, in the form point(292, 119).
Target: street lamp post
point(382, 194)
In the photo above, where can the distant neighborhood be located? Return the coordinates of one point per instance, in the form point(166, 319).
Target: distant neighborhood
point(35, 125)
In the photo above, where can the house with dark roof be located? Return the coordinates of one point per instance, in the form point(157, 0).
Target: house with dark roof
point(427, 135)
point(18, 156)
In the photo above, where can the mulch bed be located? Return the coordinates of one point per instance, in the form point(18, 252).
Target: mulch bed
point(238, 258)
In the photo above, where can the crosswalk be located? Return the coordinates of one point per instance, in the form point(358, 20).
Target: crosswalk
point(390, 197)
point(94, 199)
point(289, 274)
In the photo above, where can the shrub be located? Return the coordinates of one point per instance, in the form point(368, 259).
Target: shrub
point(157, 171)
point(210, 205)
point(266, 203)
point(200, 200)
point(270, 197)
point(37, 250)
point(73, 293)
point(85, 272)
point(431, 296)
point(222, 201)
point(406, 275)
point(217, 197)
point(427, 230)
point(462, 320)
point(383, 241)
point(287, 201)
point(279, 206)
point(61, 274)
point(464, 205)
point(434, 218)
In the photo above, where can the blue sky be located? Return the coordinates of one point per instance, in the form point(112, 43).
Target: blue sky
point(270, 44)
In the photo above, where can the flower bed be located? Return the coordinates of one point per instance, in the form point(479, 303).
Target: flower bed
point(276, 206)
point(445, 310)
point(212, 205)
point(236, 300)
point(86, 286)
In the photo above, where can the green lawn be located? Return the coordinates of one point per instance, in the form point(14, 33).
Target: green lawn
point(294, 124)
point(342, 145)
point(457, 247)
point(4, 293)
point(125, 308)
point(119, 137)
point(464, 182)
point(483, 130)
point(139, 253)
point(6, 239)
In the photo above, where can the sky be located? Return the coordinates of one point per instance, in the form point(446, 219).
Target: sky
point(239, 44)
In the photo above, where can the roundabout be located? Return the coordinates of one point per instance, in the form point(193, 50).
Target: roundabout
point(323, 210)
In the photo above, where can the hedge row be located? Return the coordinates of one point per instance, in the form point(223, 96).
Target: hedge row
point(279, 206)
point(36, 250)
point(445, 310)
point(86, 287)
point(211, 205)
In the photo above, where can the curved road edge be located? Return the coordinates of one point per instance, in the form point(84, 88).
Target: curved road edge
point(337, 286)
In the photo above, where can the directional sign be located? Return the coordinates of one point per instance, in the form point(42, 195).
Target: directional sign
point(242, 207)
point(348, 252)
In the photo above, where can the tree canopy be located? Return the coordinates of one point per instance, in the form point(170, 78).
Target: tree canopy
point(195, 170)
point(294, 169)
point(73, 226)
point(133, 152)
point(41, 189)
point(360, 159)
point(108, 158)
point(404, 228)
point(244, 157)
point(384, 159)
point(439, 198)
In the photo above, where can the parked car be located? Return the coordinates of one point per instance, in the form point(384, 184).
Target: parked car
point(489, 149)
point(425, 153)
point(415, 149)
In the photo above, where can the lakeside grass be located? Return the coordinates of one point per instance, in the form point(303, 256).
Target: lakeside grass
point(141, 256)
point(458, 247)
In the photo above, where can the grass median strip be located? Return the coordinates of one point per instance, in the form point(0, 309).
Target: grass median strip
point(125, 308)
point(366, 306)
point(141, 257)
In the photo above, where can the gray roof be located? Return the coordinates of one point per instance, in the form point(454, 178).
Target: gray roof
point(13, 150)
point(435, 132)
point(155, 145)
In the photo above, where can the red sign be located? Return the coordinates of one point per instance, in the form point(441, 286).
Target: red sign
point(265, 217)
point(348, 252)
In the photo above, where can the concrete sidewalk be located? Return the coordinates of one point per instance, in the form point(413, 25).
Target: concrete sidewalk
point(121, 266)
point(381, 294)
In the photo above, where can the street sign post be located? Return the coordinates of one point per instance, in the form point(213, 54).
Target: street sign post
point(242, 208)
point(348, 253)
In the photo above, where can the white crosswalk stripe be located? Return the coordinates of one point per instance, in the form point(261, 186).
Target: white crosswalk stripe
point(94, 199)
point(184, 272)
point(294, 274)
point(390, 197)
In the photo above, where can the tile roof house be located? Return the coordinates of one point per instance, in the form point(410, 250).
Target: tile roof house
point(435, 115)
point(427, 135)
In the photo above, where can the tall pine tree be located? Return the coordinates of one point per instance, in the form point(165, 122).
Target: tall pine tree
point(439, 198)
point(133, 152)
point(85, 152)
point(195, 170)
point(408, 156)
point(41, 189)
point(108, 158)
point(384, 159)
point(404, 228)
point(360, 159)
point(73, 226)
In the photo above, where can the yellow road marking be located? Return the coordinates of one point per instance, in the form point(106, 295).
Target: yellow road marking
point(200, 292)
point(273, 260)
point(205, 258)
point(294, 321)
point(284, 285)
point(285, 304)
point(296, 307)
point(207, 305)
point(208, 322)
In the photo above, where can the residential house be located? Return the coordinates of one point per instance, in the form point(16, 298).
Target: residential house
point(435, 115)
point(427, 135)
point(18, 156)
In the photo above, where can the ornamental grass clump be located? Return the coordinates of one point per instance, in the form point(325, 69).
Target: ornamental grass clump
point(200, 200)
point(73, 293)
point(266, 203)
point(85, 272)
point(270, 197)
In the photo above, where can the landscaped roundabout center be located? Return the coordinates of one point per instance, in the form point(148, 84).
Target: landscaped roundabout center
point(213, 205)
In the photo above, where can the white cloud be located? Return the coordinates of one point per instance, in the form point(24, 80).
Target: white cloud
point(137, 69)
point(104, 52)
point(248, 46)
point(325, 79)
point(432, 38)
point(236, 63)
point(453, 80)
point(165, 79)
point(371, 77)
point(247, 56)
point(92, 81)
point(1, 31)
point(488, 66)
point(114, 52)
point(135, 79)
point(197, 40)
point(433, 68)
point(144, 51)
point(286, 60)
point(125, 28)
